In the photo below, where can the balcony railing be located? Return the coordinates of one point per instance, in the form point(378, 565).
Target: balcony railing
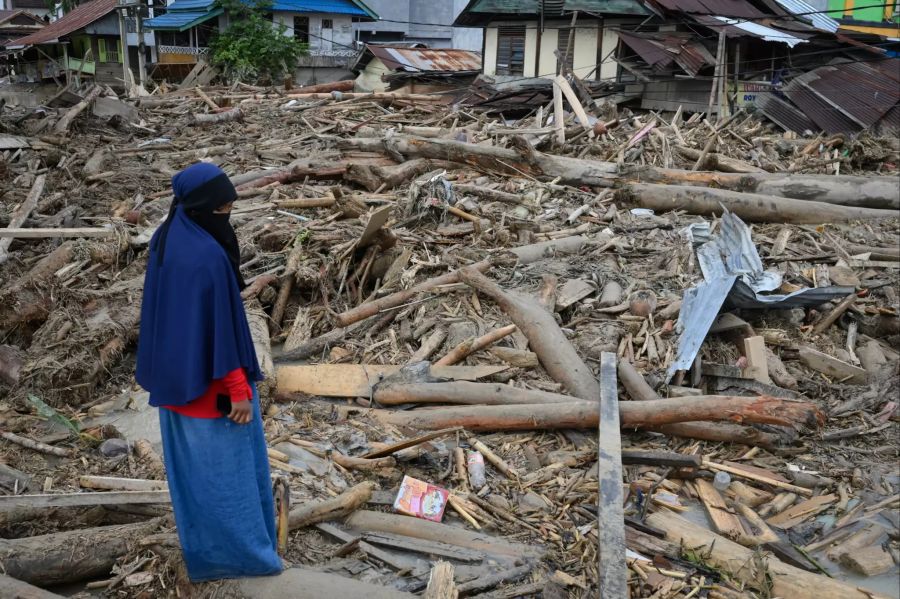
point(182, 50)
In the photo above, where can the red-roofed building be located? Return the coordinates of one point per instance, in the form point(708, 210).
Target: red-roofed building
point(18, 23)
point(84, 43)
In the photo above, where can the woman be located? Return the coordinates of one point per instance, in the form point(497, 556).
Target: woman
point(196, 358)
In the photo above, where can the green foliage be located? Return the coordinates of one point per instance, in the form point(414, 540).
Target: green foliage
point(45, 411)
point(252, 47)
point(66, 5)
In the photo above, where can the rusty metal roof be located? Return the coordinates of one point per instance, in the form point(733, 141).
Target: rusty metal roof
point(660, 50)
point(845, 98)
point(79, 18)
point(726, 8)
point(404, 58)
point(783, 114)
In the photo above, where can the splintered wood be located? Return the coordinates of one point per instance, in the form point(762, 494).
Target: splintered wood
point(453, 291)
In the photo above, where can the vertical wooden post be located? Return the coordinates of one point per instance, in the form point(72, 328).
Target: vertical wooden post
point(610, 514)
point(558, 116)
point(716, 74)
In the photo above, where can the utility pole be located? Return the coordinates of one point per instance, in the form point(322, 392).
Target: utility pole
point(142, 48)
point(123, 37)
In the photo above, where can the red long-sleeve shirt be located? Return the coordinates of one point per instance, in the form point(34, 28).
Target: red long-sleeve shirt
point(234, 384)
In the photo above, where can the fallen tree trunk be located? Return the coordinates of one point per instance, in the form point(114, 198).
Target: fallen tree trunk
point(259, 332)
point(227, 116)
point(463, 392)
point(573, 171)
point(845, 190)
point(473, 344)
point(329, 509)
point(70, 556)
point(335, 86)
point(16, 589)
point(639, 390)
point(739, 562)
point(21, 214)
point(373, 177)
point(555, 352)
point(585, 414)
point(62, 126)
point(749, 206)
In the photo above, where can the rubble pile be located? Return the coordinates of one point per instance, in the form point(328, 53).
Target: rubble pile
point(483, 304)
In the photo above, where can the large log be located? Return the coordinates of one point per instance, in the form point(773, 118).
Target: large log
point(10, 588)
point(845, 190)
point(70, 556)
point(585, 414)
point(553, 349)
point(719, 161)
point(62, 126)
point(463, 393)
point(740, 563)
point(749, 206)
point(573, 171)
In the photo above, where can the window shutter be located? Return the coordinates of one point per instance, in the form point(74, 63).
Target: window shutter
point(101, 47)
point(511, 50)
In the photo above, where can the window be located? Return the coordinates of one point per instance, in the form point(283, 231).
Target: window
point(112, 51)
point(327, 24)
point(301, 29)
point(562, 45)
point(511, 51)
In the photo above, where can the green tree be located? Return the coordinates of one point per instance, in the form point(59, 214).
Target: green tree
point(251, 47)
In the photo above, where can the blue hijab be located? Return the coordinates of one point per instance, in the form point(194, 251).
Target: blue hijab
point(193, 325)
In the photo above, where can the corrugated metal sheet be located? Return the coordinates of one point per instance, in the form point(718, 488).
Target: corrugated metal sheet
point(660, 50)
point(341, 7)
point(190, 5)
point(862, 93)
point(80, 17)
point(761, 31)
point(807, 12)
point(426, 59)
point(181, 21)
point(730, 8)
point(783, 114)
point(828, 118)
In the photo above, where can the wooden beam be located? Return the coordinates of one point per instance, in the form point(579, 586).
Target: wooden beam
point(558, 116)
point(56, 233)
point(610, 515)
point(82, 499)
point(577, 108)
point(357, 380)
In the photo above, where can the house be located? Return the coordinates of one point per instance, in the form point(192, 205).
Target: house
point(416, 69)
point(84, 43)
point(418, 21)
point(185, 28)
point(875, 18)
point(522, 37)
point(17, 23)
point(35, 7)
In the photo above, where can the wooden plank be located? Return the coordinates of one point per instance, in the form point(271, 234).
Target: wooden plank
point(396, 562)
point(729, 322)
point(755, 352)
point(82, 499)
point(13, 142)
point(748, 474)
point(357, 380)
point(613, 575)
point(577, 108)
point(831, 366)
point(376, 221)
point(573, 290)
point(796, 514)
point(725, 521)
point(659, 458)
point(424, 546)
point(558, 115)
point(114, 483)
point(57, 233)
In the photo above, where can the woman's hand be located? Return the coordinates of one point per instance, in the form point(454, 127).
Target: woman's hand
point(241, 411)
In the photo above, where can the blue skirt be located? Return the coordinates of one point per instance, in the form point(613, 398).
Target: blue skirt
point(218, 474)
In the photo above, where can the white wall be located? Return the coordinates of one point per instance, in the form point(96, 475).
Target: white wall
point(342, 31)
point(489, 60)
point(608, 68)
point(585, 49)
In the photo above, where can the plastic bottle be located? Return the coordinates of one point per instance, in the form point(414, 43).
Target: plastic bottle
point(721, 481)
point(475, 466)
